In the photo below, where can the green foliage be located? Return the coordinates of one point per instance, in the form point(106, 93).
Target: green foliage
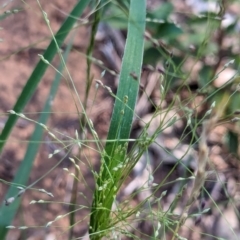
point(120, 126)
point(162, 12)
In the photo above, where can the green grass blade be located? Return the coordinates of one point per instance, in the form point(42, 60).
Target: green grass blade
point(90, 48)
point(40, 69)
point(121, 121)
point(129, 77)
point(24, 170)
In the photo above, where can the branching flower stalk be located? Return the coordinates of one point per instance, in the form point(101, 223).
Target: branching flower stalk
point(200, 177)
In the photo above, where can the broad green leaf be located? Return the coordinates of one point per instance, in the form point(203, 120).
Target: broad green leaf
point(121, 120)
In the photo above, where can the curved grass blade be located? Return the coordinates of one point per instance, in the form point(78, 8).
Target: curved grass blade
point(121, 122)
point(40, 69)
point(24, 170)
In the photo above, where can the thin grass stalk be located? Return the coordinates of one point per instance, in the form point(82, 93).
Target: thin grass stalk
point(22, 175)
point(73, 205)
point(96, 19)
point(200, 177)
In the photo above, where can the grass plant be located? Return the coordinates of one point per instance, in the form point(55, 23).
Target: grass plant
point(109, 216)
